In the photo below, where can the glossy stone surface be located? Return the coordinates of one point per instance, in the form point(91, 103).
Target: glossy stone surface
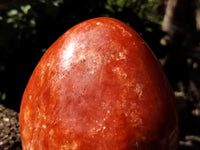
point(99, 87)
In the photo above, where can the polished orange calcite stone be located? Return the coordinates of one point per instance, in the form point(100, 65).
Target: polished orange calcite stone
point(98, 87)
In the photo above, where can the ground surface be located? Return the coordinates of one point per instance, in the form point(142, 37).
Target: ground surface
point(188, 114)
point(9, 129)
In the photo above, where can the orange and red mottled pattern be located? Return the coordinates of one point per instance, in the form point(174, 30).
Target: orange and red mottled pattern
point(98, 87)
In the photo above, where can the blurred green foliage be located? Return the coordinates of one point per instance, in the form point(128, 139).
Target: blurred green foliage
point(144, 9)
point(29, 27)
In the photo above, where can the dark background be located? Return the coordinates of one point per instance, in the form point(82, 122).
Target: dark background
point(29, 27)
